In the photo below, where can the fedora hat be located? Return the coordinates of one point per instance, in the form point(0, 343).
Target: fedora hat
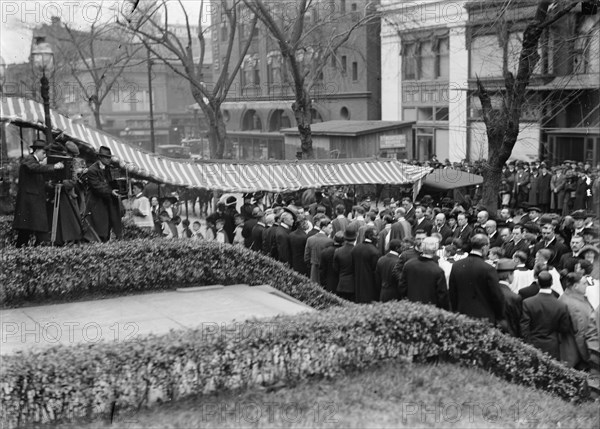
point(231, 201)
point(105, 152)
point(39, 144)
point(350, 234)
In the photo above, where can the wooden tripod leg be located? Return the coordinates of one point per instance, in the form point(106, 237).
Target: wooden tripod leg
point(55, 213)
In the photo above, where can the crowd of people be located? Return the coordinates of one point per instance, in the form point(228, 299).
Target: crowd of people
point(533, 273)
point(531, 268)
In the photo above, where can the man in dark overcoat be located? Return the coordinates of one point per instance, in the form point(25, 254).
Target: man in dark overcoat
point(327, 276)
point(103, 204)
point(297, 240)
point(30, 211)
point(383, 272)
point(343, 266)
point(364, 258)
point(473, 284)
point(423, 280)
point(544, 318)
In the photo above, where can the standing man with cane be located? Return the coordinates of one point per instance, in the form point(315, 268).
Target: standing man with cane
point(30, 214)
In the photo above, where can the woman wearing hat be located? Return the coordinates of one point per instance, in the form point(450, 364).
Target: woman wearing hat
point(30, 210)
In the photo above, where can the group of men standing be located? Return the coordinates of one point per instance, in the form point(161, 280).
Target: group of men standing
point(86, 206)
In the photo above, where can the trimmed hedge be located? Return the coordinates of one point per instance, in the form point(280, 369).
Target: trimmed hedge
point(90, 380)
point(8, 236)
point(59, 274)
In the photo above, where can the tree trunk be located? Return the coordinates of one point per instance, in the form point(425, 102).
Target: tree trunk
point(302, 112)
point(217, 133)
point(96, 111)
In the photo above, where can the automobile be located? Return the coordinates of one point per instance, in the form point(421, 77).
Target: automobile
point(174, 151)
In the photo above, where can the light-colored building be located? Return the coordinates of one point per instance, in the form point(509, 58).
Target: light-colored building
point(433, 52)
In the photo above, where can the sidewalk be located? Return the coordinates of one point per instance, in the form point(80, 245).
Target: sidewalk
point(210, 308)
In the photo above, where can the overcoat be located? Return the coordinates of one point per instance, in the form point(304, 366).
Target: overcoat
point(30, 209)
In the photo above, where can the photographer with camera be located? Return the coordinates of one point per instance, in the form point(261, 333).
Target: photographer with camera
point(31, 213)
point(103, 202)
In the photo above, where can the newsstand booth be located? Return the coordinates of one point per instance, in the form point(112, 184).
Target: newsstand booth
point(221, 175)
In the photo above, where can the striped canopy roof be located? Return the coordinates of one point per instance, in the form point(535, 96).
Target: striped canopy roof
point(227, 176)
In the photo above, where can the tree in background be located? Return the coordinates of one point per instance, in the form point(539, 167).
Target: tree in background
point(309, 33)
point(154, 30)
point(502, 119)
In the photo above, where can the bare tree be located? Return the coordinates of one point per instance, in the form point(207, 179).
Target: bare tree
point(309, 33)
point(97, 58)
point(157, 34)
point(502, 121)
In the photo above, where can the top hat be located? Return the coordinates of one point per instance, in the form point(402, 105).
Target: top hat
point(39, 144)
point(258, 195)
point(506, 265)
point(105, 152)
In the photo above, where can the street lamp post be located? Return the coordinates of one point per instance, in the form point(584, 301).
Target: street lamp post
point(4, 148)
point(42, 59)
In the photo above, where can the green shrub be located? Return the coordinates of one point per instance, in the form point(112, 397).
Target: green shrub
point(90, 379)
point(57, 274)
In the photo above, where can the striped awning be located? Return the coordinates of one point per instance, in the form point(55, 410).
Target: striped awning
point(226, 176)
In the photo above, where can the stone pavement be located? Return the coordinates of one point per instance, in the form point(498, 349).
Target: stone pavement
point(210, 308)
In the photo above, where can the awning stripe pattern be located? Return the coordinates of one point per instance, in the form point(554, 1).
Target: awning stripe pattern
point(224, 176)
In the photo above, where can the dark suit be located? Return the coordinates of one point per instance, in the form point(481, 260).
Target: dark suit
point(104, 207)
point(30, 209)
point(464, 234)
point(405, 256)
point(496, 240)
point(364, 259)
point(510, 248)
point(247, 231)
point(568, 262)
point(512, 311)
point(344, 269)
point(529, 291)
point(445, 232)
point(425, 225)
point(424, 281)
point(410, 215)
point(544, 318)
point(312, 253)
point(282, 244)
point(266, 240)
point(383, 277)
point(257, 237)
point(558, 249)
point(297, 240)
point(401, 229)
point(327, 275)
point(474, 289)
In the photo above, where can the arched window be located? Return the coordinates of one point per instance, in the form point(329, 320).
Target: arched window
point(251, 121)
point(279, 119)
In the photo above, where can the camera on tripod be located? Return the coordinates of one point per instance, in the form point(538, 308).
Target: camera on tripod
point(65, 173)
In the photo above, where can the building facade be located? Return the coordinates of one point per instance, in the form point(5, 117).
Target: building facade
point(259, 103)
point(434, 51)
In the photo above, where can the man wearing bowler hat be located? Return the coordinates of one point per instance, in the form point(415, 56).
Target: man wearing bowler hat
point(104, 203)
point(30, 212)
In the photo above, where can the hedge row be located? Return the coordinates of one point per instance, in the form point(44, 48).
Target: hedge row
point(58, 274)
point(8, 236)
point(90, 380)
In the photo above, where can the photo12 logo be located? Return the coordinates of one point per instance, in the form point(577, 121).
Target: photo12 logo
point(249, 412)
point(66, 332)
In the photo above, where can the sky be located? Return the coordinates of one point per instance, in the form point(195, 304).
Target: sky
point(17, 18)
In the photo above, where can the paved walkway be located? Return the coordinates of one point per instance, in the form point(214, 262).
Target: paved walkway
point(211, 308)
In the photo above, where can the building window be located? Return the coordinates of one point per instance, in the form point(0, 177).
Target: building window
point(343, 6)
point(344, 64)
point(345, 113)
point(354, 71)
point(442, 63)
point(442, 114)
point(409, 61)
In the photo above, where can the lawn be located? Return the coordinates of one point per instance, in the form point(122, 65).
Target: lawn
point(393, 394)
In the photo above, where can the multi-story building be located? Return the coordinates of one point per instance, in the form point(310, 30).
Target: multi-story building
point(434, 51)
point(125, 112)
point(259, 103)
